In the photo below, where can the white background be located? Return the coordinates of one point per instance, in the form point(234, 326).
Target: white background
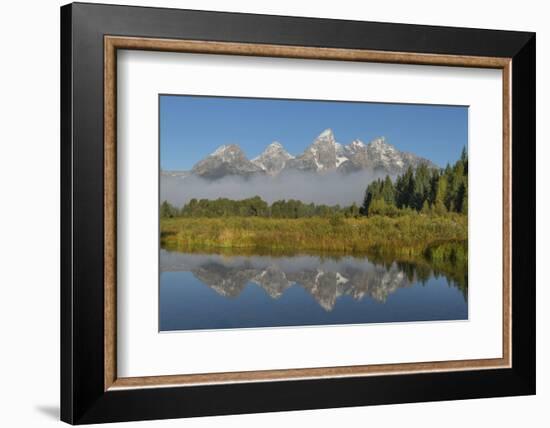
point(144, 352)
point(29, 219)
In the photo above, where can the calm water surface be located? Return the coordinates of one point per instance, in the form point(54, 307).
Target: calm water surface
point(200, 291)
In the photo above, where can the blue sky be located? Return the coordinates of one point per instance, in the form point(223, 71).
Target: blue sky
point(192, 127)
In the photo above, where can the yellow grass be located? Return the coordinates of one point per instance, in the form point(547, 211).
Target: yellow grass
point(406, 235)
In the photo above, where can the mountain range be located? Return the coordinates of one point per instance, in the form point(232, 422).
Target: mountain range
point(323, 155)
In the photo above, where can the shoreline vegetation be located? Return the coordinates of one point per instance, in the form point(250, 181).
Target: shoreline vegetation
point(422, 242)
point(406, 235)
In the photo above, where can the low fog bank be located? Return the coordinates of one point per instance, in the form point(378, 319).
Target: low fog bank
point(331, 188)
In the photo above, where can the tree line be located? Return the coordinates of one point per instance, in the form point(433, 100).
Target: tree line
point(255, 207)
point(425, 190)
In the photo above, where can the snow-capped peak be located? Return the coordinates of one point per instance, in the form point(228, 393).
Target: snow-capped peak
point(380, 143)
point(320, 155)
point(273, 158)
point(219, 150)
point(357, 144)
point(354, 147)
point(327, 136)
point(327, 133)
point(227, 159)
point(274, 149)
point(275, 145)
point(227, 153)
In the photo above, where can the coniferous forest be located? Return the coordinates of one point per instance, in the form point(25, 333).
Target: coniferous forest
point(424, 190)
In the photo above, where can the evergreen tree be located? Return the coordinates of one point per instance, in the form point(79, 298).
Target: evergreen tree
point(441, 192)
point(464, 160)
point(439, 207)
point(167, 210)
point(464, 202)
point(387, 191)
point(371, 193)
point(404, 187)
point(421, 187)
point(352, 211)
point(426, 209)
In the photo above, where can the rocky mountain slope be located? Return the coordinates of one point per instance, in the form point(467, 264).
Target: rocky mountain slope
point(226, 160)
point(273, 159)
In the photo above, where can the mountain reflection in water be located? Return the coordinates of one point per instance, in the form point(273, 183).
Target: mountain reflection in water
point(326, 280)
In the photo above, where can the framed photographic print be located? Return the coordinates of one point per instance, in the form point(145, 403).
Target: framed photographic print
point(265, 213)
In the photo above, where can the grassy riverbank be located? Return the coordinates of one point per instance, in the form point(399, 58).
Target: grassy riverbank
point(407, 235)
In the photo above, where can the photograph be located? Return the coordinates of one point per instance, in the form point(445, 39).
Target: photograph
point(293, 212)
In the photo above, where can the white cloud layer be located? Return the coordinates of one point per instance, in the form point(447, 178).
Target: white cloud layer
point(331, 188)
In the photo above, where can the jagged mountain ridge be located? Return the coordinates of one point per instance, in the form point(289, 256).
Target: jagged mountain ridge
point(323, 155)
